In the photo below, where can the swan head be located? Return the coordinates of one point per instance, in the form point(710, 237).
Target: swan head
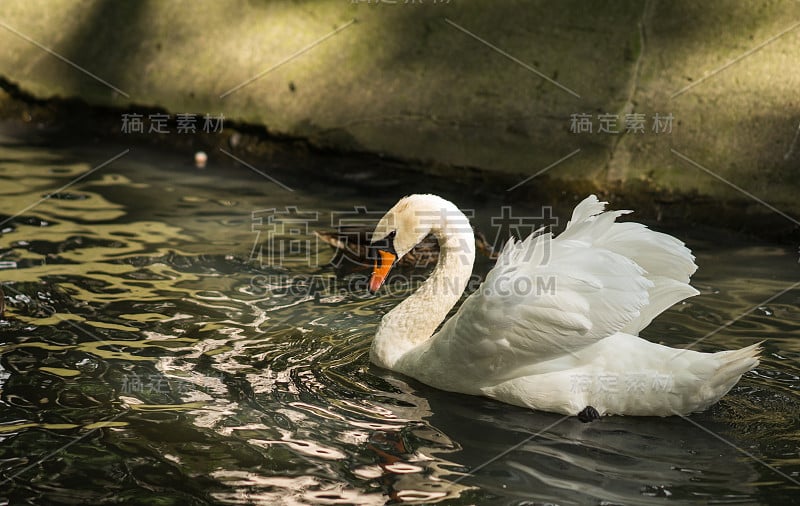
point(404, 226)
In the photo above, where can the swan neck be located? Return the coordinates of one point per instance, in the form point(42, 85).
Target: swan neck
point(415, 319)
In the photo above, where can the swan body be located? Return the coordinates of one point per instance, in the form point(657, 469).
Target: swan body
point(555, 324)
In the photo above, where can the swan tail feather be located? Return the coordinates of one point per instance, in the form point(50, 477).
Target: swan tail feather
point(713, 375)
point(734, 364)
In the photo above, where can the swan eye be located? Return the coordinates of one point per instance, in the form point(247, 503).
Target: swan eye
point(385, 244)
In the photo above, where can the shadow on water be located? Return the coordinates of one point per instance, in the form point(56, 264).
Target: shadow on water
point(147, 353)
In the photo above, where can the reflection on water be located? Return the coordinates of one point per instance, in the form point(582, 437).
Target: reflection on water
point(147, 353)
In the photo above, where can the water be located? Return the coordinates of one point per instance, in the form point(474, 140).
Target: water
point(148, 357)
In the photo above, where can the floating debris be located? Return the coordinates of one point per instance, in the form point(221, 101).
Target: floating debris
point(352, 249)
point(65, 196)
point(200, 159)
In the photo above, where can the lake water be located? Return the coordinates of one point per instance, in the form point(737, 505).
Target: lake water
point(148, 356)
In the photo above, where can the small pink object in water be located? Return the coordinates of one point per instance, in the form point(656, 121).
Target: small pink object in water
point(200, 159)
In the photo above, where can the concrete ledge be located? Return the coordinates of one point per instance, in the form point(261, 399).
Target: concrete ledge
point(454, 83)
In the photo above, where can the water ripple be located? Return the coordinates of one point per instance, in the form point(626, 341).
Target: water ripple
point(137, 321)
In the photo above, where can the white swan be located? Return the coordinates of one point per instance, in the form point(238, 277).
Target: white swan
point(554, 325)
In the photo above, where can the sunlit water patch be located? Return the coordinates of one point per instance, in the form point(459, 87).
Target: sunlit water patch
point(150, 354)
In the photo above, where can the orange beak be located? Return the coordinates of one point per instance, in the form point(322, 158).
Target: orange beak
point(383, 264)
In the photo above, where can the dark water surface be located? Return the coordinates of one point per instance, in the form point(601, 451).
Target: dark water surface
point(147, 356)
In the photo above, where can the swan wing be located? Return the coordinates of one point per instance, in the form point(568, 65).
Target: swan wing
point(667, 262)
point(548, 298)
